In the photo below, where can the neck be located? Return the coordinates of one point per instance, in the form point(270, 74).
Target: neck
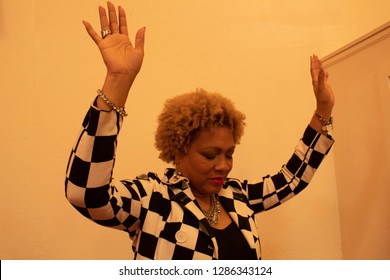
point(204, 201)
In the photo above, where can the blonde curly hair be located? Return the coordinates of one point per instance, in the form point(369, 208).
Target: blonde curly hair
point(186, 115)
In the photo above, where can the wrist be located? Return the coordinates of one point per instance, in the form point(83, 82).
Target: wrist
point(120, 81)
point(324, 111)
point(323, 123)
point(116, 87)
point(108, 105)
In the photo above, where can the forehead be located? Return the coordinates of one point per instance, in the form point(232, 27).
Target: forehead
point(214, 137)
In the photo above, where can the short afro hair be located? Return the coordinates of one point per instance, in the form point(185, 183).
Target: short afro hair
point(186, 115)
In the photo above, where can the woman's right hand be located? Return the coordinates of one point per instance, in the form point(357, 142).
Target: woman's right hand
point(122, 58)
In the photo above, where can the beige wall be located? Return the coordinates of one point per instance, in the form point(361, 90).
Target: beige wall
point(254, 52)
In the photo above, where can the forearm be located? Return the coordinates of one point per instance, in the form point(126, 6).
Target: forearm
point(88, 185)
point(91, 163)
point(294, 176)
point(320, 116)
point(116, 88)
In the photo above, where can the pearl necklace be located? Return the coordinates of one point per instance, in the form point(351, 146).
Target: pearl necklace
point(212, 215)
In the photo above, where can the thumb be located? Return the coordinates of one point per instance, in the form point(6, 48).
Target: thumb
point(91, 32)
point(140, 39)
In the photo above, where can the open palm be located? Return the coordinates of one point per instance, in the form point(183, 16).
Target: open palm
point(323, 91)
point(120, 56)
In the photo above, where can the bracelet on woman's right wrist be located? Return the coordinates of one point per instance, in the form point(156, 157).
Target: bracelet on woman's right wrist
point(120, 110)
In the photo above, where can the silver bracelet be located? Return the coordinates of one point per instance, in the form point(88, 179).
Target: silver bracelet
point(120, 110)
point(326, 125)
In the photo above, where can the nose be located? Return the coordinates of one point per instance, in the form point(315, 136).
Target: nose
point(223, 164)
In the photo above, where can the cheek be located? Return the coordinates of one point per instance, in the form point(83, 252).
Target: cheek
point(231, 164)
point(195, 165)
point(204, 166)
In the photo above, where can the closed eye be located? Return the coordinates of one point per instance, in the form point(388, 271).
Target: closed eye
point(209, 156)
point(230, 153)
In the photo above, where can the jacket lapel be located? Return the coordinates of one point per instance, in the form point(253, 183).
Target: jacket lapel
point(186, 200)
point(236, 206)
point(233, 202)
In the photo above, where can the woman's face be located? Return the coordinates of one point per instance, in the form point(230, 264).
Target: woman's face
point(208, 160)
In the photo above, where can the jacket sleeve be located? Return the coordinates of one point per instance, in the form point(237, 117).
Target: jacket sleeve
point(294, 176)
point(88, 183)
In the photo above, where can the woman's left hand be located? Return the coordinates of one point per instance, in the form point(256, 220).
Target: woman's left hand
point(322, 89)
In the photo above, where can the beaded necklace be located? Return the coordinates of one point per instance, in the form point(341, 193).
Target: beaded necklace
point(212, 215)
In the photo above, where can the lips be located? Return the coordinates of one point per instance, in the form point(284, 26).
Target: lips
point(217, 181)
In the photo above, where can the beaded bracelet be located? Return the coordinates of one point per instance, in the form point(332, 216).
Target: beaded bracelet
point(120, 110)
point(326, 125)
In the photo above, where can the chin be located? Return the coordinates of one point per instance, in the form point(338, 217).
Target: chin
point(215, 189)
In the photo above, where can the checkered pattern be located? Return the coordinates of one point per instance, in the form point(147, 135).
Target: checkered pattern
point(161, 215)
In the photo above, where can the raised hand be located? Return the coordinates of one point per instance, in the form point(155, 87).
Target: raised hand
point(119, 54)
point(122, 58)
point(322, 89)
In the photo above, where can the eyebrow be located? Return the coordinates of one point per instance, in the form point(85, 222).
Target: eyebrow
point(218, 149)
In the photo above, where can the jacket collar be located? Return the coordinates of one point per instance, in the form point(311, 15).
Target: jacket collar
point(174, 180)
point(182, 193)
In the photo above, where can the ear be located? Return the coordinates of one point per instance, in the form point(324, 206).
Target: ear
point(178, 156)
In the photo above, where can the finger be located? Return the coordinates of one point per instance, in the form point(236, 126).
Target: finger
point(323, 74)
point(317, 63)
point(313, 64)
point(140, 39)
point(114, 26)
point(326, 75)
point(104, 24)
point(321, 79)
point(92, 33)
point(314, 69)
point(122, 21)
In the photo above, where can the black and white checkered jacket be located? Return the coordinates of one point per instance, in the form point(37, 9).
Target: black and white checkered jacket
point(161, 214)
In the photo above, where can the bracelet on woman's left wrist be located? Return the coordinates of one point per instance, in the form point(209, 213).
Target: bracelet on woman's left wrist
point(327, 125)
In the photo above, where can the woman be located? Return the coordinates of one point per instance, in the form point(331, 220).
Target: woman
point(194, 211)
